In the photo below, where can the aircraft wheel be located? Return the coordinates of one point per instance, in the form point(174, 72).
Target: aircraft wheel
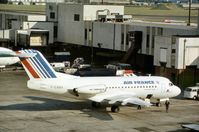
point(158, 104)
point(194, 97)
point(139, 107)
point(96, 104)
point(115, 108)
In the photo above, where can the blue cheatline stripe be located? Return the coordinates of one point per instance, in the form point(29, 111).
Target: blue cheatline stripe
point(39, 66)
point(44, 64)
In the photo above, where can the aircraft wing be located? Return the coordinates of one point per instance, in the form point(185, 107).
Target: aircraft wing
point(120, 97)
point(7, 53)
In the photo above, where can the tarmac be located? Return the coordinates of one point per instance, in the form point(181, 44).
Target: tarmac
point(25, 110)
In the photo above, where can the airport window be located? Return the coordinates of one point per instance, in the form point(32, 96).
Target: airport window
point(52, 15)
point(153, 30)
point(76, 17)
point(50, 7)
point(147, 41)
point(10, 23)
point(85, 34)
point(173, 51)
point(153, 41)
point(160, 31)
point(173, 39)
point(55, 31)
point(122, 38)
point(127, 39)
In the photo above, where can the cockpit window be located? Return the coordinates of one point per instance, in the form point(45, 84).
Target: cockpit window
point(170, 84)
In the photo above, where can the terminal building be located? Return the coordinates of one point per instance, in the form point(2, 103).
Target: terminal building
point(171, 49)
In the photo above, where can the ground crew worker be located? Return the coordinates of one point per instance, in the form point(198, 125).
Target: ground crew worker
point(167, 103)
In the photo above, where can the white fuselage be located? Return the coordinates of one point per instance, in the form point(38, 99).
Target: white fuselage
point(7, 57)
point(157, 87)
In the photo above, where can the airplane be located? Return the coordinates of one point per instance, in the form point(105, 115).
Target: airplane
point(114, 91)
point(7, 57)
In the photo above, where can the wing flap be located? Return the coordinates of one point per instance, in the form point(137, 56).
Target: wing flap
point(136, 101)
point(111, 96)
point(121, 97)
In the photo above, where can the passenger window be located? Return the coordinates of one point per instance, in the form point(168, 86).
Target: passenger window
point(170, 84)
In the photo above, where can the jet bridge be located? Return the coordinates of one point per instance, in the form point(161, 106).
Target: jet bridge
point(134, 40)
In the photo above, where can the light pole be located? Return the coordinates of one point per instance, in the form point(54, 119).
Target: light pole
point(189, 18)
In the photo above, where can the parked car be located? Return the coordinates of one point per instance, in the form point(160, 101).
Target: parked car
point(192, 92)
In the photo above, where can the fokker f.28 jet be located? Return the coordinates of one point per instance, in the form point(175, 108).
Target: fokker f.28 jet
point(114, 91)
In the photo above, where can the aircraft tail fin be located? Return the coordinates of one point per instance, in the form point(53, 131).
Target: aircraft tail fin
point(36, 66)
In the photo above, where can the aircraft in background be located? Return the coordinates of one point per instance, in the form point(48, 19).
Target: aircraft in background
point(114, 91)
point(7, 57)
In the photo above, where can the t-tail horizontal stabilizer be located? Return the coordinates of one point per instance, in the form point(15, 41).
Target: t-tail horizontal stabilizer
point(25, 55)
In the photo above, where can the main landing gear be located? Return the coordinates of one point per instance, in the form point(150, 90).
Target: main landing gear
point(114, 108)
point(158, 104)
point(95, 104)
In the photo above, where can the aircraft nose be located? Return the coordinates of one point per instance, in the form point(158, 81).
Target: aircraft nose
point(177, 90)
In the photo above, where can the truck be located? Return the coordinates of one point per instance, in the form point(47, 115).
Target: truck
point(122, 69)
